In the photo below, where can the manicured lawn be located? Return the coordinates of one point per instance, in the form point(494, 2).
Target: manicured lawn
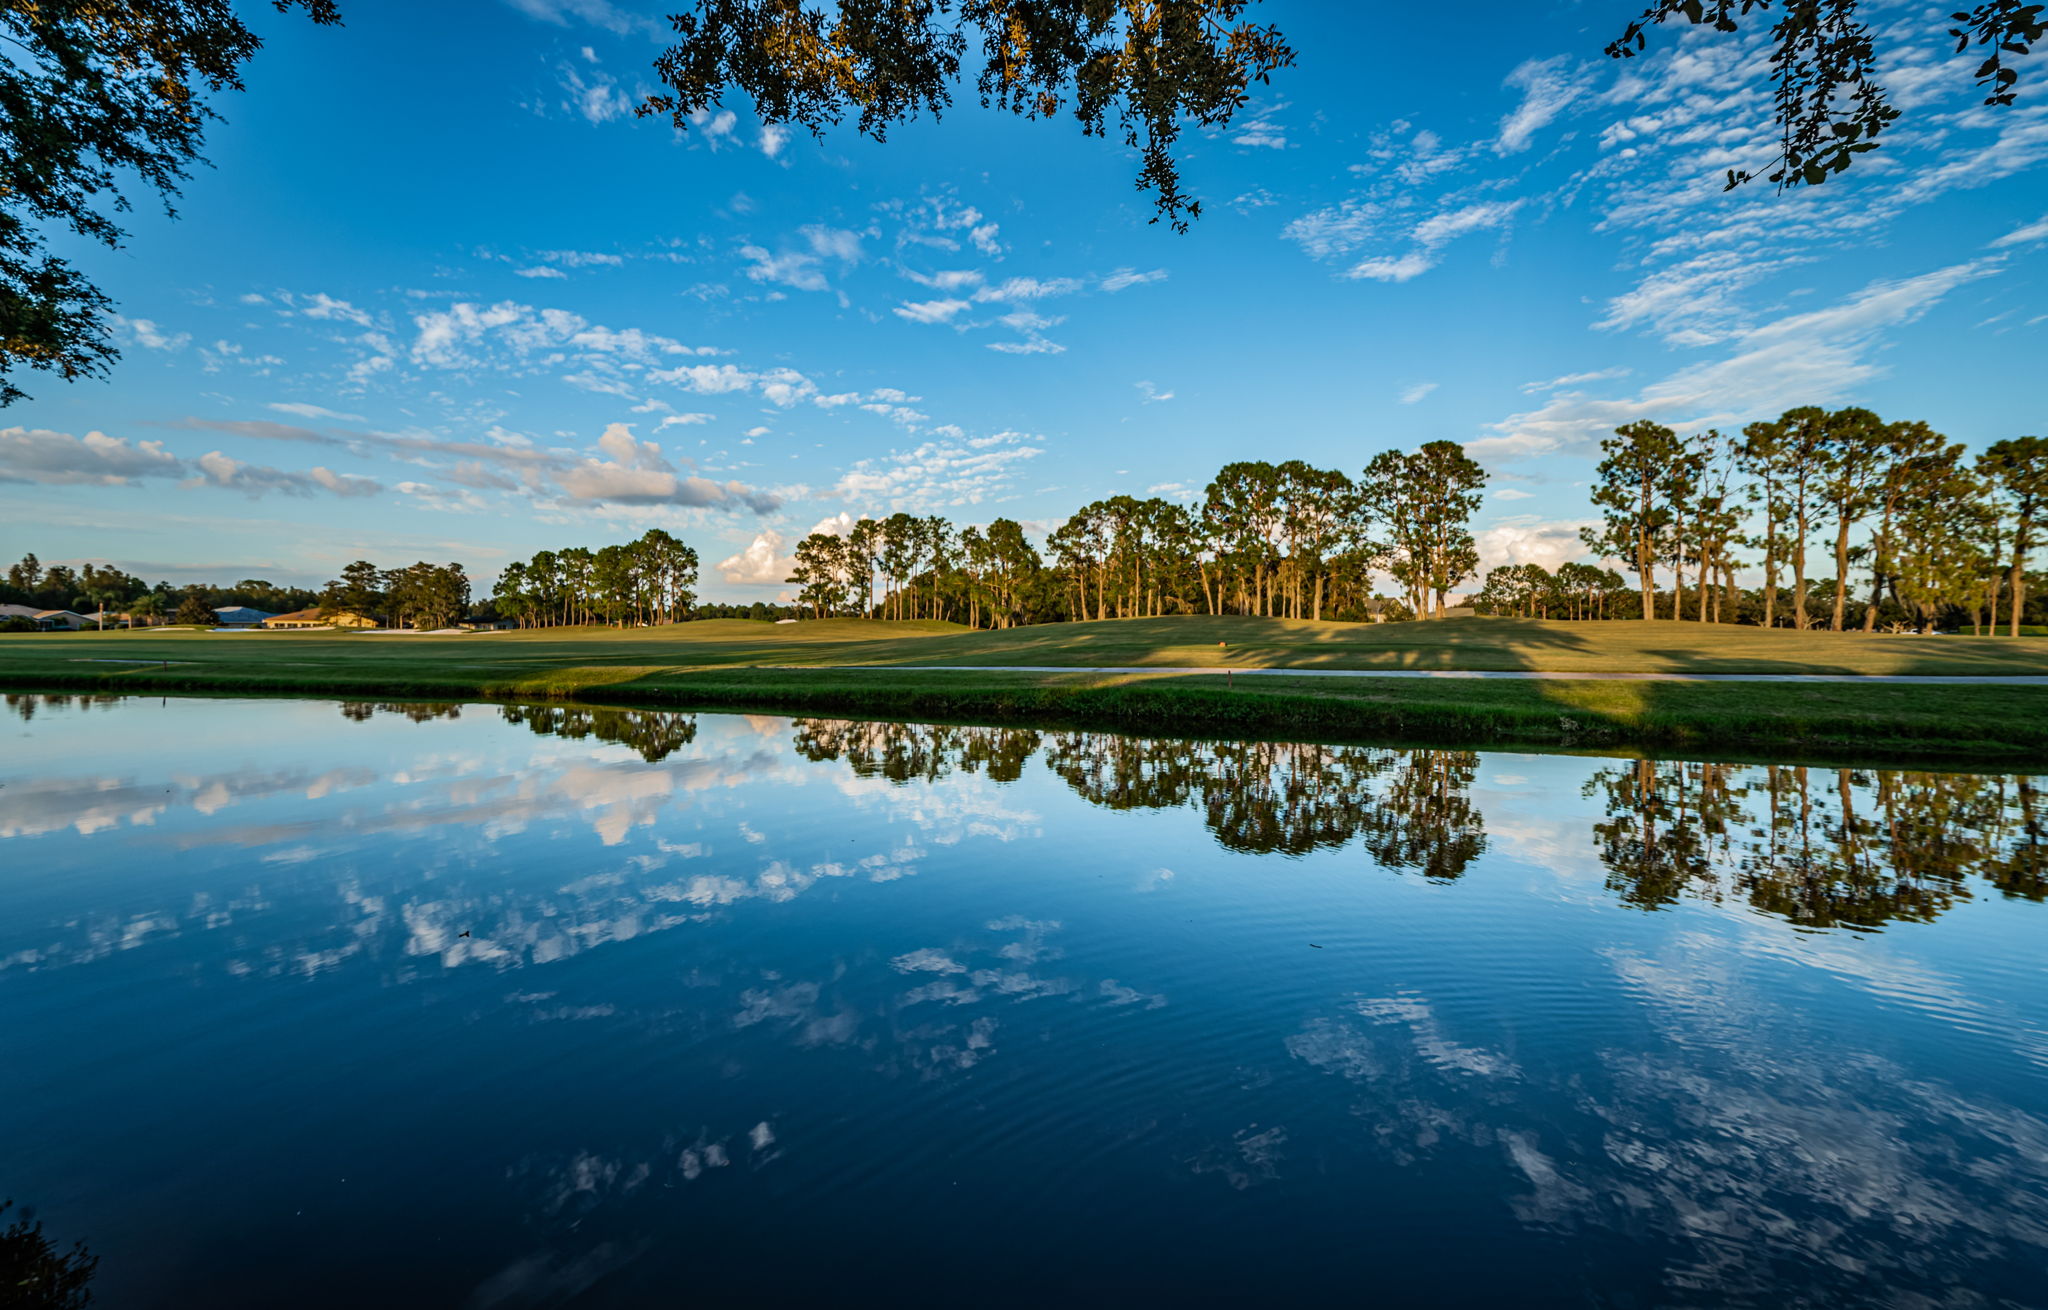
point(734, 663)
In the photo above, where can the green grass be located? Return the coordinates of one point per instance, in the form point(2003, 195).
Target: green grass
point(731, 664)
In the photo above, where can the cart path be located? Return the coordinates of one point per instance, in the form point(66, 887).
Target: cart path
point(2004, 680)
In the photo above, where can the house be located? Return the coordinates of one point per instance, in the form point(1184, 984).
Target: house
point(241, 616)
point(60, 620)
point(318, 618)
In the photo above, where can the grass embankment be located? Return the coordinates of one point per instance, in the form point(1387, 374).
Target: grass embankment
point(728, 664)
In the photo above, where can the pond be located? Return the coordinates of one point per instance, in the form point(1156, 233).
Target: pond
point(499, 1006)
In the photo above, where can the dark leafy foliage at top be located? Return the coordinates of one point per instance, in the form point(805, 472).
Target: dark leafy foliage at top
point(91, 90)
point(1827, 102)
point(1148, 66)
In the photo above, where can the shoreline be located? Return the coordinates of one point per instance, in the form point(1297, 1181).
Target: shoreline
point(1965, 725)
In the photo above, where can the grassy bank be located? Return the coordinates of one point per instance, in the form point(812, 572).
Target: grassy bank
point(713, 665)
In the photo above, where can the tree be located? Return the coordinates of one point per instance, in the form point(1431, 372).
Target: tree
point(1852, 471)
point(93, 95)
point(1239, 514)
point(1918, 463)
point(425, 596)
point(26, 574)
point(193, 610)
point(1937, 560)
point(359, 590)
point(1631, 493)
point(823, 580)
point(1013, 565)
point(1801, 452)
point(2018, 467)
point(1828, 105)
point(1426, 500)
point(1147, 67)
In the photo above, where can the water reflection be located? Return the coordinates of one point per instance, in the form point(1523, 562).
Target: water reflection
point(1819, 847)
point(1824, 848)
point(557, 1005)
point(36, 1273)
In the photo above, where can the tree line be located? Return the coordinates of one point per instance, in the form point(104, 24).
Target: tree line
point(1851, 522)
point(422, 596)
point(651, 580)
point(1278, 540)
point(1911, 527)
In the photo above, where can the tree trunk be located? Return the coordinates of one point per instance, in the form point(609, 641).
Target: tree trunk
point(2022, 538)
point(1842, 571)
point(1649, 574)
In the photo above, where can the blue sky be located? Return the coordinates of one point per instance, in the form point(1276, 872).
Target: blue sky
point(443, 297)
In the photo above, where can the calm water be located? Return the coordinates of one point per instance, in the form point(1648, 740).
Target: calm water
point(317, 1005)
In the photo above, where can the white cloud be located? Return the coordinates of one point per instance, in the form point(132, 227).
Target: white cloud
point(1814, 357)
point(96, 459)
point(1262, 130)
point(1126, 277)
point(598, 13)
point(1430, 236)
point(953, 279)
point(583, 258)
point(1530, 540)
point(938, 475)
point(2032, 232)
point(1574, 379)
point(524, 335)
point(761, 564)
point(1548, 86)
point(773, 138)
point(634, 472)
point(1338, 228)
point(323, 306)
point(304, 410)
point(539, 270)
point(1036, 346)
point(41, 456)
point(149, 336)
point(1151, 394)
point(597, 99)
point(931, 311)
point(803, 266)
point(1027, 289)
point(1390, 269)
point(1448, 226)
point(1416, 394)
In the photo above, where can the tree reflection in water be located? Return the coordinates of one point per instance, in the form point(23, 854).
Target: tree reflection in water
point(25, 704)
point(1822, 848)
point(1412, 808)
point(37, 1274)
point(655, 734)
point(362, 711)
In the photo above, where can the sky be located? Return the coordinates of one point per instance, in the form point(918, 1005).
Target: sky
point(442, 296)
